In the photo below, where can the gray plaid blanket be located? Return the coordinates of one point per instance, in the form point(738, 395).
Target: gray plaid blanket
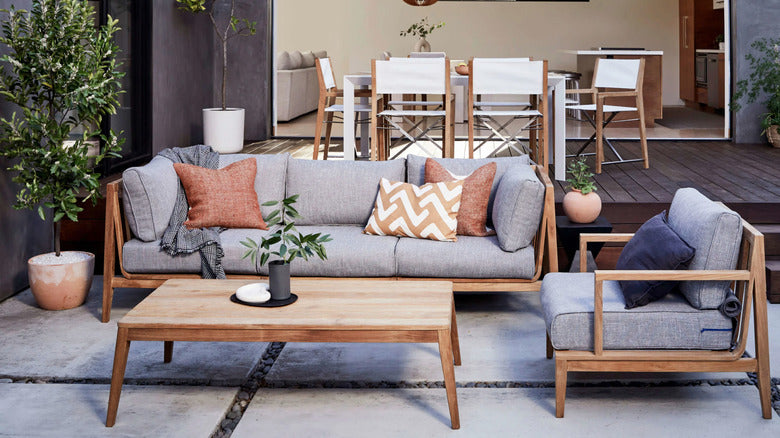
point(177, 239)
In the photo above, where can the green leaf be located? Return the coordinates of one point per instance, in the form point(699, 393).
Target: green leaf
point(269, 203)
point(41, 213)
point(264, 258)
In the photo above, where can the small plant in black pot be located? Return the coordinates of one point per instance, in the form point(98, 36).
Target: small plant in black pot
point(286, 244)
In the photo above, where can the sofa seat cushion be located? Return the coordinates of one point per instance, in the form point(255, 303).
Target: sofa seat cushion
point(669, 323)
point(148, 258)
point(469, 257)
point(350, 254)
point(715, 232)
point(338, 192)
point(415, 170)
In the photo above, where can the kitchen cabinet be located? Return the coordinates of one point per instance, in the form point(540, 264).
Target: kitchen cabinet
point(700, 24)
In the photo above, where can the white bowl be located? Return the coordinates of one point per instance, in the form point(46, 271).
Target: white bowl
point(253, 293)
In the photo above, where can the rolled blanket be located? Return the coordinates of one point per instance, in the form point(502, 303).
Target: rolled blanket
point(177, 239)
point(730, 306)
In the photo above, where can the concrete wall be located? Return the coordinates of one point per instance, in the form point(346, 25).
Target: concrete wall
point(22, 233)
point(356, 31)
point(751, 20)
point(186, 76)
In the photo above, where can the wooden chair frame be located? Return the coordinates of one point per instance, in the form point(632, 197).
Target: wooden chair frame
point(599, 97)
point(541, 103)
point(749, 284)
point(117, 232)
point(328, 97)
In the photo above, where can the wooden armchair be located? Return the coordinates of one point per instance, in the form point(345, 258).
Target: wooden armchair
point(677, 338)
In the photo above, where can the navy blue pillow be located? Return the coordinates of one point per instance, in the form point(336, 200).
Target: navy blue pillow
point(655, 246)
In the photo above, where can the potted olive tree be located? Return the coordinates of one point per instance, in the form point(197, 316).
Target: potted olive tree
point(223, 128)
point(285, 244)
point(582, 204)
point(764, 80)
point(61, 73)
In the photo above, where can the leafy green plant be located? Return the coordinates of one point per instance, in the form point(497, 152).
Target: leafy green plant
point(422, 28)
point(61, 73)
point(232, 28)
point(763, 80)
point(581, 177)
point(289, 243)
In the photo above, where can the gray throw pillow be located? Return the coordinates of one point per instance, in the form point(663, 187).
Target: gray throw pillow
point(308, 60)
point(517, 208)
point(283, 61)
point(321, 54)
point(296, 60)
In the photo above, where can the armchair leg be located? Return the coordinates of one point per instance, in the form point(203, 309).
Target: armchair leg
point(549, 353)
point(108, 297)
point(560, 387)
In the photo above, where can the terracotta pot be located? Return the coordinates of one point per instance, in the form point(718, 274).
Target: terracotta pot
point(59, 284)
point(773, 135)
point(581, 209)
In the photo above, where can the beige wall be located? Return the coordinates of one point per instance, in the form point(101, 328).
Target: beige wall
point(355, 31)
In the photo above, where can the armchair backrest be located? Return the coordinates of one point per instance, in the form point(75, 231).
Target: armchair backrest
point(428, 55)
point(508, 76)
point(411, 75)
point(618, 73)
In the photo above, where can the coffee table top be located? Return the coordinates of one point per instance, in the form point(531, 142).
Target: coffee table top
point(323, 304)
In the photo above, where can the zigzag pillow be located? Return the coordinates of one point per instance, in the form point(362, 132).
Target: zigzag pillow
point(429, 211)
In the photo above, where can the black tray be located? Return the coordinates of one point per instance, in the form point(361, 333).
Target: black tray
point(270, 303)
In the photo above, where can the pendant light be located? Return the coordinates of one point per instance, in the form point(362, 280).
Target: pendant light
point(420, 2)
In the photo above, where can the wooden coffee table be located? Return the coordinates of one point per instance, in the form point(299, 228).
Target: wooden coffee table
point(326, 311)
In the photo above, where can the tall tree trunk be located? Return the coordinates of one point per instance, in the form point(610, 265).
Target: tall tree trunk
point(57, 230)
point(224, 71)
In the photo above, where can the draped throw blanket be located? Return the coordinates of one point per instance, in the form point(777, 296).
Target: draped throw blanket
point(177, 239)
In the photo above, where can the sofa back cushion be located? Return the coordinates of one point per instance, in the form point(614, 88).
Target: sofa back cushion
point(715, 232)
point(283, 61)
point(149, 191)
point(518, 207)
point(415, 170)
point(338, 192)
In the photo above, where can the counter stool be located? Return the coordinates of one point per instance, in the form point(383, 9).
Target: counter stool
point(572, 79)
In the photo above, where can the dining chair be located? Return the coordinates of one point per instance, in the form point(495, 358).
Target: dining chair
point(613, 78)
point(491, 78)
point(327, 106)
point(404, 76)
point(428, 55)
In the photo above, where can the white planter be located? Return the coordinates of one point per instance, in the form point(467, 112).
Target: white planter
point(224, 130)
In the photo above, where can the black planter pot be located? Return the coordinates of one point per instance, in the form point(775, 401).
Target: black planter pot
point(279, 279)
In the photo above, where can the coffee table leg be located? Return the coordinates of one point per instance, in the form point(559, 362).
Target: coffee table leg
point(454, 335)
point(118, 374)
point(445, 351)
point(168, 353)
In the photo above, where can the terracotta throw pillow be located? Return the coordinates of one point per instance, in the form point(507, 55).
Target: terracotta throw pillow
point(429, 211)
point(472, 215)
point(221, 197)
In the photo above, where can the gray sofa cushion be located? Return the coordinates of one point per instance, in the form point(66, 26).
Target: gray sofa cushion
point(150, 190)
point(469, 257)
point(308, 60)
point(321, 54)
point(338, 192)
point(517, 209)
point(350, 254)
point(415, 170)
point(149, 194)
point(715, 232)
point(270, 179)
point(283, 61)
point(148, 258)
point(669, 323)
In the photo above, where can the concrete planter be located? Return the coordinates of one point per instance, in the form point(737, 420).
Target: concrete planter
point(279, 278)
point(60, 283)
point(581, 209)
point(224, 130)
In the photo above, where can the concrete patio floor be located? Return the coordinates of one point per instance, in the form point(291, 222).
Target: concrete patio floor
point(55, 368)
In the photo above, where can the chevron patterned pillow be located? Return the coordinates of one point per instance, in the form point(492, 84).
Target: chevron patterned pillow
point(429, 211)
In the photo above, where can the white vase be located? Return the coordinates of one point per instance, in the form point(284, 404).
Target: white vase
point(422, 45)
point(224, 130)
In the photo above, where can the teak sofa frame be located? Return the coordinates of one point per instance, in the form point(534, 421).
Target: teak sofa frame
point(749, 284)
point(117, 231)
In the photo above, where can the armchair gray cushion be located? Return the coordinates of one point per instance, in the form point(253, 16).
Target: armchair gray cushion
point(517, 209)
point(669, 323)
point(715, 232)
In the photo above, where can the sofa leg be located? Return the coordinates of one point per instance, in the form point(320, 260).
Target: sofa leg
point(108, 297)
point(560, 387)
point(549, 346)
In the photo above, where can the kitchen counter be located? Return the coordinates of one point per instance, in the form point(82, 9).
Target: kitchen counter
point(710, 51)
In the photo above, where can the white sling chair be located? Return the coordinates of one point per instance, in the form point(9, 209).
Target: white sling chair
point(518, 77)
point(423, 76)
point(610, 75)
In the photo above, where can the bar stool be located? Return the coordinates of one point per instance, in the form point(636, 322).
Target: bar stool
point(572, 79)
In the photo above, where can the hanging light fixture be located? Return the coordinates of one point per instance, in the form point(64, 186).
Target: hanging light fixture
point(420, 2)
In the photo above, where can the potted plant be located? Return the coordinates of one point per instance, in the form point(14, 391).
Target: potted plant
point(223, 128)
point(61, 72)
point(582, 204)
point(421, 29)
point(287, 244)
point(763, 80)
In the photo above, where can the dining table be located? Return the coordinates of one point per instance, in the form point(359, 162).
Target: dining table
point(556, 87)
